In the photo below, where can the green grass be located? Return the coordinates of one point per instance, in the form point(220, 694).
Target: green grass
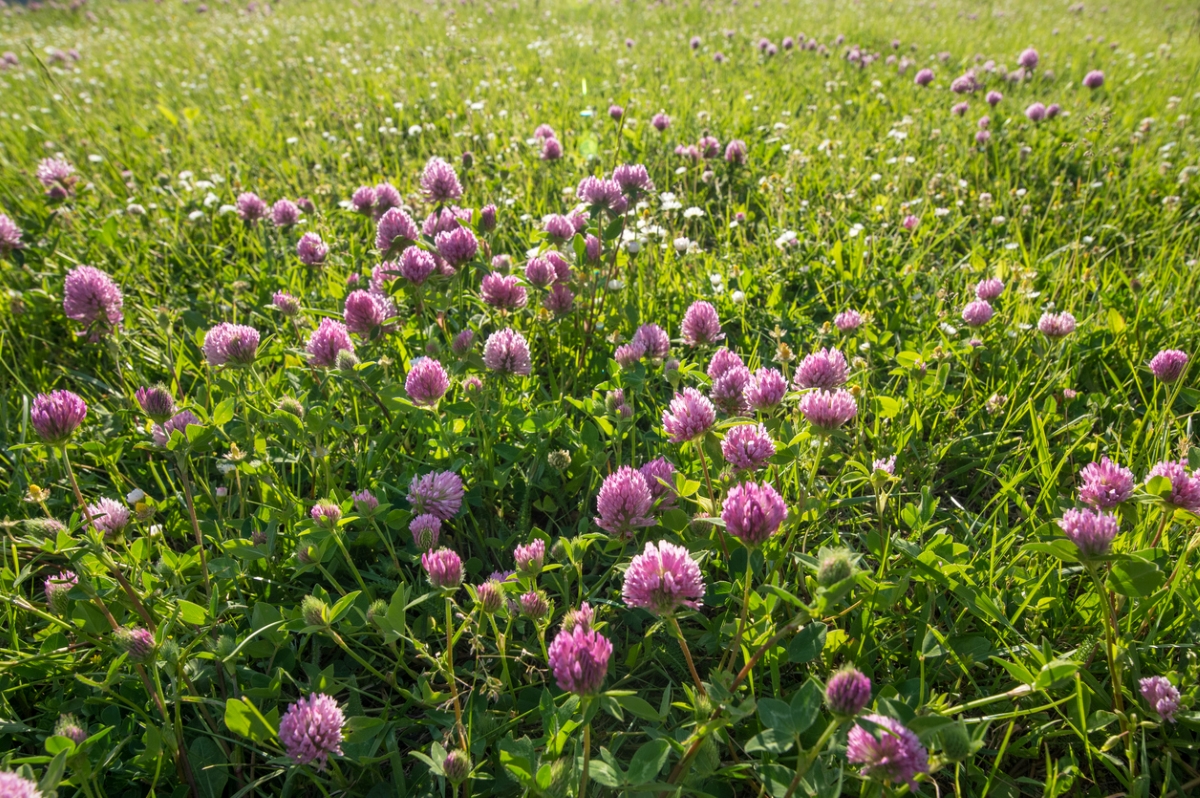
point(967, 603)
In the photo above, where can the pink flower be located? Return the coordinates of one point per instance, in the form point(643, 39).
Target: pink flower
point(977, 313)
point(55, 416)
point(1169, 364)
point(503, 291)
point(1185, 487)
point(529, 558)
point(162, 433)
point(1092, 532)
point(722, 361)
point(748, 446)
point(753, 513)
point(457, 246)
point(847, 692)
point(663, 578)
point(624, 502)
point(311, 250)
point(990, 289)
point(426, 382)
point(654, 341)
point(828, 410)
point(235, 344)
point(444, 568)
point(1161, 695)
point(365, 313)
point(559, 300)
point(892, 754)
point(250, 207)
point(92, 298)
point(1056, 325)
point(416, 265)
point(439, 181)
point(285, 213)
point(109, 517)
point(689, 416)
point(701, 325)
point(425, 529)
point(825, 368)
point(579, 659)
point(729, 391)
point(765, 390)
point(848, 321)
point(1093, 79)
point(439, 493)
point(326, 341)
point(653, 472)
point(539, 272)
point(507, 352)
point(395, 229)
point(311, 730)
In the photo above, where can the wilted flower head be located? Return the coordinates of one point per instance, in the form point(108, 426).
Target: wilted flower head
point(1093, 79)
point(624, 502)
point(426, 382)
point(1185, 487)
point(443, 567)
point(701, 325)
point(250, 207)
point(108, 517)
point(847, 692)
point(579, 659)
point(1161, 695)
point(753, 513)
point(748, 446)
point(507, 352)
point(138, 643)
point(440, 493)
point(1168, 365)
point(529, 558)
point(311, 730)
point(825, 368)
point(56, 415)
point(892, 754)
point(503, 291)
point(233, 344)
point(439, 181)
point(689, 416)
point(177, 423)
point(1056, 325)
point(425, 529)
point(765, 390)
point(828, 410)
point(663, 578)
point(395, 229)
point(326, 341)
point(660, 469)
point(92, 298)
point(1092, 532)
point(365, 313)
point(977, 313)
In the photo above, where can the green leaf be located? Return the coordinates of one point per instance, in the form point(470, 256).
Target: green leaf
point(192, 613)
point(648, 761)
point(1061, 548)
point(808, 643)
point(773, 741)
point(1055, 671)
point(57, 743)
point(776, 714)
point(223, 413)
point(53, 773)
point(242, 717)
point(1135, 577)
point(605, 774)
point(806, 706)
point(343, 605)
point(639, 707)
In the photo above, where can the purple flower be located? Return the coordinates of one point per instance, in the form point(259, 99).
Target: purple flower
point(311, 730)
point(10, 234)
point(326, 341)
point(462, 342)
point(179, 422)
point(285, 303)
point(439, 493)
point(444, 568)
point(924, 77)
point(579, 659)
point(689, 416)
point(365, 502)
point(487, 218)
point(533, 605)
point(156, 402)
point(544, 131)
point(624, 502)
point(386, 196)
point(363, 199)
point(753, 513)
point(92, 298)
point(663, 578)
point(416, 265)
point(722, 361)
point(977, 313)
point(551, 149)
point(848, 321)
point(628, 355)
point(994, 98)
point(828, 410)
point(490, 595)
point(439, 181)
point(886, 465)
point(529, 558)
point(1053, 110)
point(892, 754)
point(602, 194)
point(910, 222)
point(735, 152)
point(425, 529)
point(426, 382)
point(616, 111)
point(1093, 79)
point(67, 726)
point(1092, 532)
point(108, 517)
point(847, 692)
point(652, 472)
point(457, 766)
point(695, 43)
point(507, 352)
point(395, 229)
point(825, 368)
point(719, 57)
point(960, 109)
point(457, 246)
point(1056, 325)
point(709, 146)
point(1168, 365)
point(633, 179)
point(1161, 695)
point(983, 137)
point(311, 250)
point(558, 228)
point(503, 291)
point(251, 207)
point(729, 390)
point(653, 340)
point(765, 390)
point(559, 300)
point(591, 248)
point(989, 289)
point(1028, 59)
point(365, 313)
point(445, 220)
point(285, 213)
point(1185, 487)
point(578, 619)
point(326, 513)
point(56, 415)
point(57, 176)
point(661, 122)
point(235, 344)
point(57, 588)
point(964, 84)
point(701, 325)
point(138, 643)
point(748, 446)
point(1036, 112)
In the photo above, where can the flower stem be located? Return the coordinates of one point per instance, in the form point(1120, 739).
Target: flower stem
point(462, 737)
point(1110, 624)
point(803, 766)
point(502, 646)
point(1162, 527)
point(687, 654)
point(337, 538)
point(712, 496)
point(737, 640)
point(587, 759)
point(181, 467)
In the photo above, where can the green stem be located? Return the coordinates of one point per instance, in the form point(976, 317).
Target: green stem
point(737, 640)
point(587, 758)
point(1110, 624)
point(181, 467)
point(337, 538)
point(462, 736)
point(687, 654)
point(357, 658)
point(803, 765)
point(502, 646)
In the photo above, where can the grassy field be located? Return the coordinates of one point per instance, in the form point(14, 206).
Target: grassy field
point(267, 600)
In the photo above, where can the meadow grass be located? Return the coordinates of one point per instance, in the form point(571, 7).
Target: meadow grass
point(1016, 660)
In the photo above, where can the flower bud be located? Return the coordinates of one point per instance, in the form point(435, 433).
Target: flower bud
point(956, 742)
point(456, 766)
point(835, 566)
point(490, 595)
point(314, 611)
